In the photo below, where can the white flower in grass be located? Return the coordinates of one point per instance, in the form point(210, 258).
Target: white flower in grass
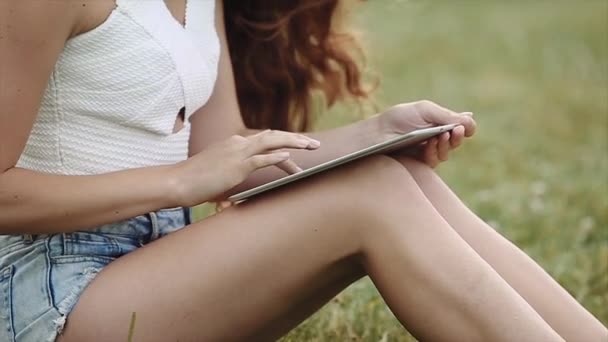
point(536, 205)
point(538, 188)
point(587, 223)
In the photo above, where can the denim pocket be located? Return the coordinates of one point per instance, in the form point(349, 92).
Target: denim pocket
point(75, 259)
point(7, 331)
point(70, 277)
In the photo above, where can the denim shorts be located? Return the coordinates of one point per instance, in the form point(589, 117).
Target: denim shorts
point(42, 276)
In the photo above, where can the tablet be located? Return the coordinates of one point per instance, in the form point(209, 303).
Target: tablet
point(390, 145)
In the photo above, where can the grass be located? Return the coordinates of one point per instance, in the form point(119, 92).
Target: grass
point(536, 75)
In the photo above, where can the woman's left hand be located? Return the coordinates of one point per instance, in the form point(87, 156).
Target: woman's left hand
point(404, 118)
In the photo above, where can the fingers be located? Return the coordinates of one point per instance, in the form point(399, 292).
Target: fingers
point(469, 123)
point(457, 136)
point(430, 153)
point(289, 166)
point(263, 149)
point(443, 146)
point(438, 115)
point(437, 150)
point(274, 140)
point(279, 159)
point(259, 161)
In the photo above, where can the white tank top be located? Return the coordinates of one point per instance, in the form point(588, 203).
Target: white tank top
point(113, 98)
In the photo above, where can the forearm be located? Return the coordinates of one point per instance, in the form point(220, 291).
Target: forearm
point(334, 143)
point(33, 202)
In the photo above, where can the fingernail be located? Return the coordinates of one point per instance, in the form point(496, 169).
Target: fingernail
point(283, 155)
point(315, 143)
point(467, 113)
point(299, 169)
point(303, 142)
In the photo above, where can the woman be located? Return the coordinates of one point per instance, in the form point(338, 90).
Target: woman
point(117, 115)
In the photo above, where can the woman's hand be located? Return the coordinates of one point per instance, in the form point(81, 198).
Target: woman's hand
point(209, 174)
point(404, 118)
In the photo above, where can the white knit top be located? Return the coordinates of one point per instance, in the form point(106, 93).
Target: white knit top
point(113, 98)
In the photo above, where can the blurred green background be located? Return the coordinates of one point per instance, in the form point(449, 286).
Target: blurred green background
point(535, 73)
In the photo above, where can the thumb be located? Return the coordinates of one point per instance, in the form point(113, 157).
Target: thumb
point(434, 114)
point(467, 121)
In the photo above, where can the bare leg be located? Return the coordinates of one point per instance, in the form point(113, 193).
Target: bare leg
point(546, 296)
point(236, 274)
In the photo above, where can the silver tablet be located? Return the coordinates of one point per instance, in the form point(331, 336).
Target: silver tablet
point(390, 145)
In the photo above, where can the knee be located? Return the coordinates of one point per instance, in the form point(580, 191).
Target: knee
point(383, 193)
point(367, 188)
point(370, 184)
point(378, 176)
point(421, 172)
point(413, 164)
point(378, 184)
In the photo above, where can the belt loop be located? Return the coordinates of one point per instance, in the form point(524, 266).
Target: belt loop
point(155, 231)
point(29, 238)
point(187, 216)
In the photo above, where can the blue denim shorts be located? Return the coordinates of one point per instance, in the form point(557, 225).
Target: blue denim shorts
point(42, 276)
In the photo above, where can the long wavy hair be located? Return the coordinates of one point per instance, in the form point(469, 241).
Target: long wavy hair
point(283, 51)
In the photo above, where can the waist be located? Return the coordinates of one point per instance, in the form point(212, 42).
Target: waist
point(108, 240)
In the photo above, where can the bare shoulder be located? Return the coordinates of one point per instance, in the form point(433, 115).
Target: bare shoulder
point(23, 19)
point(63, 18)
point(32, 35)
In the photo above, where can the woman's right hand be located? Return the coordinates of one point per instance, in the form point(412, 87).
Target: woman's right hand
point(218, 168)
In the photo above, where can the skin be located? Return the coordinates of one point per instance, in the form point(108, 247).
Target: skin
point(266, 265)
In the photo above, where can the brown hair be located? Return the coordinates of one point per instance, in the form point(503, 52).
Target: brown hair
point(284, 50)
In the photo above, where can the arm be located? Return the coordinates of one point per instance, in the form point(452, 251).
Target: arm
point(221, 117)
point(31, 38)
point(334, 143)
point(31, 202)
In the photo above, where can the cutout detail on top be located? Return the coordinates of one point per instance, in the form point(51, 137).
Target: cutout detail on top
point(179, 120)
point(177, 9)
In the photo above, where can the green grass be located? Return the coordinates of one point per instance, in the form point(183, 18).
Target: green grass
point(536, 75)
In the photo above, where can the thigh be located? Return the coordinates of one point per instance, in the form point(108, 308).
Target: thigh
point(232, 275)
